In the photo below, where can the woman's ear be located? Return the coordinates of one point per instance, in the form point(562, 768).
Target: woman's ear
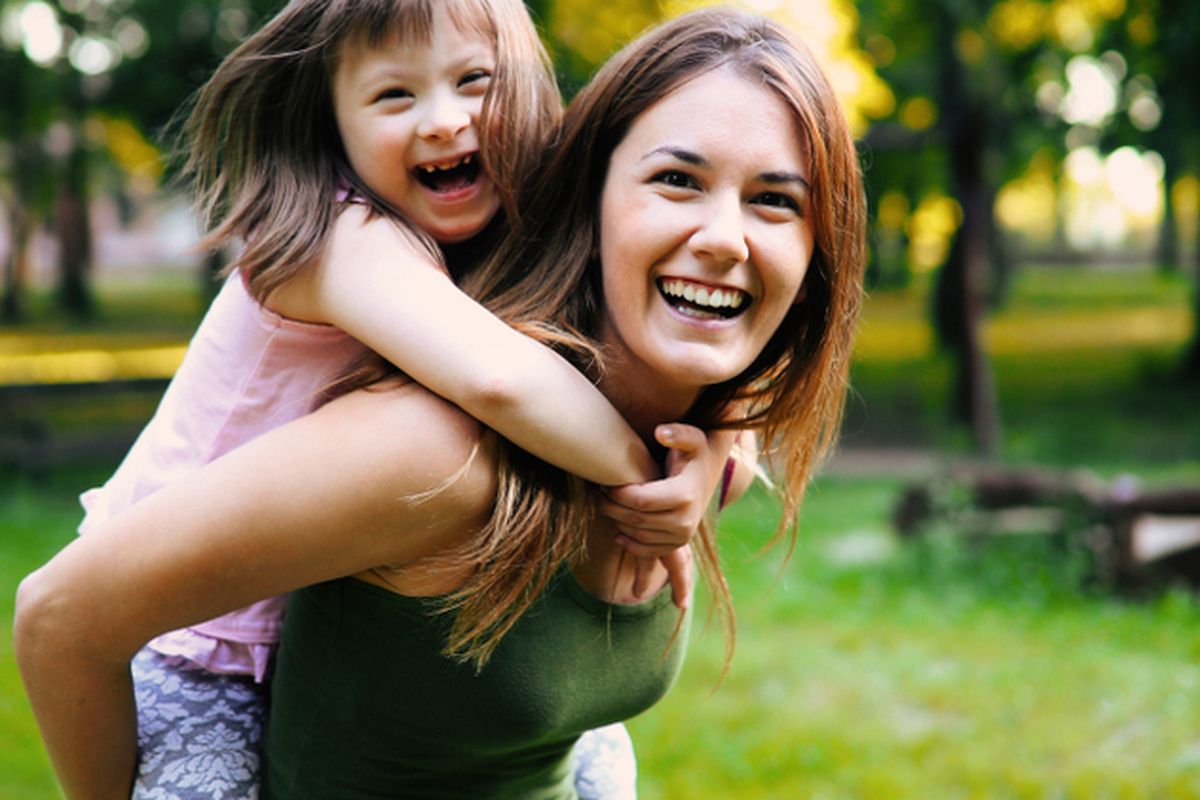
point(800, 294)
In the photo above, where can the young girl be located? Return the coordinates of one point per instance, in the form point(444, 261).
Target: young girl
point(343, 144)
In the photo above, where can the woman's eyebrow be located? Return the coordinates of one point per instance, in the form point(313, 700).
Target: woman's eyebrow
point(686, 156)
point(785, 177)
point(697, 160)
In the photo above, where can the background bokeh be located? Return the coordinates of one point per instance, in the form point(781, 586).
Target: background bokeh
point(1033, 169)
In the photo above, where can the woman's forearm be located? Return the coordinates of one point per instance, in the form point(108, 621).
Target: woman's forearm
point(83, 704)
point(322, 497)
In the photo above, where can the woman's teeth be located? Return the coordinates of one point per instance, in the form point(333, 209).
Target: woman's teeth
point(687, 296)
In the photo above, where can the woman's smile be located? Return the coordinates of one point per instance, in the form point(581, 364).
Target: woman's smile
point(704, 236)
point(703, 301)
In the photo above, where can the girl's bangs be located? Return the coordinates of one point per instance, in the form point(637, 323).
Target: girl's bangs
point(380, 22)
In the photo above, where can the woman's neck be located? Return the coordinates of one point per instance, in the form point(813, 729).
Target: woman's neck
point(642, 396)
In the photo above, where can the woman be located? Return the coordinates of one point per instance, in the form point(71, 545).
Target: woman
point(712, 246)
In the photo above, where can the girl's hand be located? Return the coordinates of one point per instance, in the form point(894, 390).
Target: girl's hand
point(656, 520)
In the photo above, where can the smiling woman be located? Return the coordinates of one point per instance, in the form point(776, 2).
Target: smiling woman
point(714, 211)
point(459, 615)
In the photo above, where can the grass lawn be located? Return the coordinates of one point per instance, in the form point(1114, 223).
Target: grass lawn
point(868, 667)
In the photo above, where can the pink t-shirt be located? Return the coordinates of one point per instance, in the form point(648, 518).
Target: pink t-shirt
point(247, 370)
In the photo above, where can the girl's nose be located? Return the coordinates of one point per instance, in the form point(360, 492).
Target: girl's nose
point(721, 235)
point(443, 119)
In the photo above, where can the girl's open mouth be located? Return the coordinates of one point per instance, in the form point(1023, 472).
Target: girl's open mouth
point(702, 301)
point(445, 177)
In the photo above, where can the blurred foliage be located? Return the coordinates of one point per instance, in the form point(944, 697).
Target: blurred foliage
point(964, 108)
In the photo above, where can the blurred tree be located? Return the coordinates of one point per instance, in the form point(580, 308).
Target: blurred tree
point(25, 163)
point(92, 81)
point(966, 75)
point(1160, 40)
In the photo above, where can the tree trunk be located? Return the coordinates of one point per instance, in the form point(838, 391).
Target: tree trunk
point(16, 265)
point(73, 226)
point(1190, 368)
point(961, 292)
point(1168, 233)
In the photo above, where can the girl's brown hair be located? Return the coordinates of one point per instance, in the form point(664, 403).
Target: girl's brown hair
point(261, 143)
point(546, 271)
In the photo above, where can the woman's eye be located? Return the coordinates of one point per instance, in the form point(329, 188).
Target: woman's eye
point(673, 177)
point(779, 200)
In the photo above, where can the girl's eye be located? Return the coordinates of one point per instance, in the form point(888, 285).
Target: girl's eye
point(476, 79)
point(779, 200)
point(394, 93)
point(675, 178)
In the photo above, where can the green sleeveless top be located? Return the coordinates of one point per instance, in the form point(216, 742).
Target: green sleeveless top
point(364, 704)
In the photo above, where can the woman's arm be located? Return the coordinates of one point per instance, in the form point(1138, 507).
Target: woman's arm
point(322, 497)
point(375, 284)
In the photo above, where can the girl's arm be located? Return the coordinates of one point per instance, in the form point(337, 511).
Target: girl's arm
point(322, 497)
point(377, 286)
point(745, 467)
point(656, 520)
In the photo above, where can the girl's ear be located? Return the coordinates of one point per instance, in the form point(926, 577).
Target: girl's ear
point(800, 293)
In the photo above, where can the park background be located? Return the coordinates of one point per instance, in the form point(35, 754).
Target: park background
point(1032, 168)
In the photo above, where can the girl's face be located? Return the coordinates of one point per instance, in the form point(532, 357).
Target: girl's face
point(704, 232)
point(408, 116)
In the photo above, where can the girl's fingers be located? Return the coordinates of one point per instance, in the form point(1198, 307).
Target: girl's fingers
point(686, 442)
point(643, 570)
point(679, 573)
point(645, 550)
point(678, 564)
point(670, 521)
point(660, 495)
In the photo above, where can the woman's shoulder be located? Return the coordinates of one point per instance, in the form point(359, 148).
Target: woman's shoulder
point(410, 436)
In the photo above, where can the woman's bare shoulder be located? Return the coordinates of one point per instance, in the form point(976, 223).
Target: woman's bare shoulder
point(404, 435)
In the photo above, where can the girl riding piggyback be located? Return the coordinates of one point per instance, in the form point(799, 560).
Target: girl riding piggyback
point(361, 153)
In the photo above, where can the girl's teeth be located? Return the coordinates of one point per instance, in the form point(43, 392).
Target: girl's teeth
point(429, 169)
point(689, 293)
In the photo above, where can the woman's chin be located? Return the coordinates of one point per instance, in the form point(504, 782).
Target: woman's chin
point(696, 371)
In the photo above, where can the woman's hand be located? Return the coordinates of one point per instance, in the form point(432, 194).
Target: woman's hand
point(656, 520)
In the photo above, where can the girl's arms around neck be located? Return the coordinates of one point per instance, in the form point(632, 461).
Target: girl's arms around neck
point(376, 285)
point(329, 495)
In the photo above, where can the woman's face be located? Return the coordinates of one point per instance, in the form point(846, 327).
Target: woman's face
point(704, 232)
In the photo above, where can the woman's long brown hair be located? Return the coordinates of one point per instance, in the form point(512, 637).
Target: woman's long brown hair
point(544, 279)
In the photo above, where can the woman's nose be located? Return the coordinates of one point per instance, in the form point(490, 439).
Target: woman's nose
point(721, 235)
point(443, 119)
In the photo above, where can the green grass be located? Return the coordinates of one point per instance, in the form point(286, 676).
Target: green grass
point(867, 666)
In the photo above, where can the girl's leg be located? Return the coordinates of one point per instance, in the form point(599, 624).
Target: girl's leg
point(605, 767)
point(199, 733)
